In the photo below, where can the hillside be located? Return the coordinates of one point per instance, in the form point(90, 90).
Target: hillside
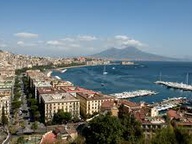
point(130, 53)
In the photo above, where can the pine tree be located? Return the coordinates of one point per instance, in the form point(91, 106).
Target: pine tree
point(4, 119)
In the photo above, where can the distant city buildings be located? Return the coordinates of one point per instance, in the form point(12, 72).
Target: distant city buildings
point(54, 94)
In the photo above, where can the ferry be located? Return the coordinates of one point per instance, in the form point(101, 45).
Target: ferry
point(134, 94)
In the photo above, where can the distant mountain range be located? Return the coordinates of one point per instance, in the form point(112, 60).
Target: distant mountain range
point(131, 53)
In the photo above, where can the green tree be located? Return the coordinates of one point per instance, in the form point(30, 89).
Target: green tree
point(183, 136)
point(165, 136)
point(21, 140)
point(132, 131)
point(4, 119)
point(60, 117)
point(16, 104)
point(34, 108)
point(37, 115)
point(122, 111)
point(104, 130)
point(34, 126)
point(32, 101)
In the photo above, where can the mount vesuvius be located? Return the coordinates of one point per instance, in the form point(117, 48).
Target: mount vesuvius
point(131, 53)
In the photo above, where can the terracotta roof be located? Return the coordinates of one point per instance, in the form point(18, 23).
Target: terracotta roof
point(129, 103)
point(49, 138)
point(173, 114)
point(140, 115)
point(49, 90)
point(96, 96)
point(107, 104)
point(77, 89)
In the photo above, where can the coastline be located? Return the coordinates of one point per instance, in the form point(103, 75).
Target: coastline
point(73, 67)
point(48, 73)
point(68, 67)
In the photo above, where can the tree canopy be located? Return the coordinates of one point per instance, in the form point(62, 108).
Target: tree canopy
point(4, 119)
point(60, 117)
point(104, 129)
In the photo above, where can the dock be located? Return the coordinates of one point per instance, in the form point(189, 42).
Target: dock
point(132, 94)
point(175, 85)
point(168, 103)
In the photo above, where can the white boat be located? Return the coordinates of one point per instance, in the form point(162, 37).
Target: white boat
point(113, 68)
point(57, 77)
point(104, 70)
point(64, 70)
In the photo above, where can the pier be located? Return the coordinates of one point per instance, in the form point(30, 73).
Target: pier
point(175, 85)
point(168, 103)
point(134, 94)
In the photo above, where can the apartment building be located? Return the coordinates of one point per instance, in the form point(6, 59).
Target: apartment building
point(74, 90)
point(5, 100)
point(91, 103)
point(47, 90)
point(51, 103)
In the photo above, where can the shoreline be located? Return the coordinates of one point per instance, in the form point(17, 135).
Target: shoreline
point(69, 67)
point(48, 73)
point(78, 66)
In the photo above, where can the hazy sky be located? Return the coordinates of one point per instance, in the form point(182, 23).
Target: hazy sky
point(83, 27)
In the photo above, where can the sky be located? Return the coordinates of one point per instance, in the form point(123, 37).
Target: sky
point(63, 28)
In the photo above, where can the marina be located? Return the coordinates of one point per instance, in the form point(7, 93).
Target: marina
point(175, 85)
point(169, 103)
point(137, 93)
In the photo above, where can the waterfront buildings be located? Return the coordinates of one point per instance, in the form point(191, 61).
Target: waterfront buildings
point(6, 94)
point(90, 103)
point(51, 103)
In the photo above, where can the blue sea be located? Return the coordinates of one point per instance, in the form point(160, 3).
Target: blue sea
point(122, 78)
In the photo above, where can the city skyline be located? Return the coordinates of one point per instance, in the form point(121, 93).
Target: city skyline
point(75, 28)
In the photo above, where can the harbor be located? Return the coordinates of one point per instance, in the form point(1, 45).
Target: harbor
point(175, 85)
point(132, 94)
point(169, 103)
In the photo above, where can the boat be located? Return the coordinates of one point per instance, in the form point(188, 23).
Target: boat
point(113, 68)
point(102, 84)
point(64, 70)
point(57, 77)
point(104, 70)
point(134, 94)
point(176, 85)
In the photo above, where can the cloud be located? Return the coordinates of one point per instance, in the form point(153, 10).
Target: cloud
point(86, 38)
point(121, 37)
point(26, 35)
point(55, 43)
point(21, 43)
point(3, 45)
point(74, 45)
point(124, 41)
point(68, 39)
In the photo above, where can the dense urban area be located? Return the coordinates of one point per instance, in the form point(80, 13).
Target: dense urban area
point(36, 108)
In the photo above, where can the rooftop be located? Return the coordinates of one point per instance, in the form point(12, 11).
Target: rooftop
point(59, 97)
point(95, 96)
point(49, 90)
